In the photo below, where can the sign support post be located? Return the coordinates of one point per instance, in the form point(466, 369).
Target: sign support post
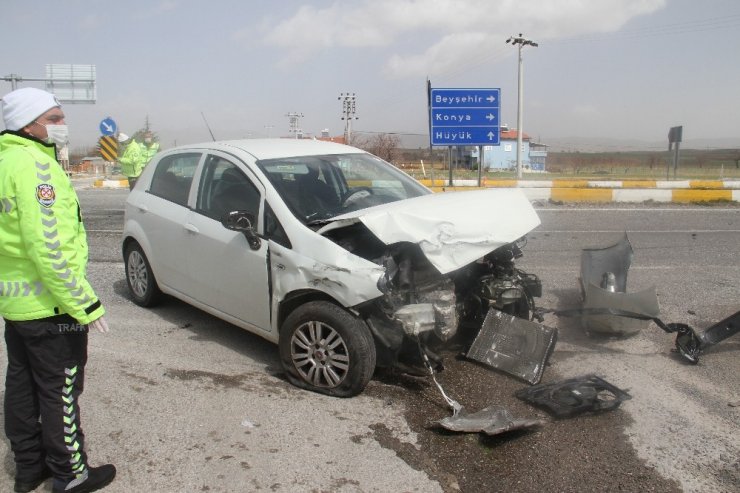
point(675, 135)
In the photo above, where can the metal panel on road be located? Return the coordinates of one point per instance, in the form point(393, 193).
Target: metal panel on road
point(465, 117)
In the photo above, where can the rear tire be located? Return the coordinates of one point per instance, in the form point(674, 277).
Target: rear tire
point(326, 349)
point(139, 276)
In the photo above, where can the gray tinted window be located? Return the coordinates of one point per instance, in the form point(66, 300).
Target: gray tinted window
point(173, 177)
point(225, 188)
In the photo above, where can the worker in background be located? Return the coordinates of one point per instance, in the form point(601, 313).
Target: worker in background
point(131, 159)
point(149, 148)
point(45, 299)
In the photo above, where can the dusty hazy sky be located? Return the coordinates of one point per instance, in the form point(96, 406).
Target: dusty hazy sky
point(625, 69)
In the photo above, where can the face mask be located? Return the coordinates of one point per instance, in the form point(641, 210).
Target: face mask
point(57, 134)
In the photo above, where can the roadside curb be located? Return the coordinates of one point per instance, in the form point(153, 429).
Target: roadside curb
point(105, 183)
point(680, 191)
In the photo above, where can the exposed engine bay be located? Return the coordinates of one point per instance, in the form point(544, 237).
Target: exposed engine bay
point(422, 308)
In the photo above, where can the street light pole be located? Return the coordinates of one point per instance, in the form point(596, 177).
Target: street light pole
point(519, 40)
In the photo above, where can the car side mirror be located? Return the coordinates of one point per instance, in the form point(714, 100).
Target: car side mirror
point(242, 222)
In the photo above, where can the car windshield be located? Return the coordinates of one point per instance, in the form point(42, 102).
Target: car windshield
point(318, 188)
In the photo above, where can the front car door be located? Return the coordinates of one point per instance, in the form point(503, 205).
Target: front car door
point(227, 275)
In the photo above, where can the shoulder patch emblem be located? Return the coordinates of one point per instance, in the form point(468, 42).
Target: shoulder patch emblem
point(46, 195)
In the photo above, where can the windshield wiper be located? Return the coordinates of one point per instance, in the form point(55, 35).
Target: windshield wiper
point(318, 222)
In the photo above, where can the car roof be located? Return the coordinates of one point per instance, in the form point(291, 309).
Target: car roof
point(276, 148)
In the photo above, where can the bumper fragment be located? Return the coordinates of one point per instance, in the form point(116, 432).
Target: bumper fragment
point(604, 286)
point(490, 420)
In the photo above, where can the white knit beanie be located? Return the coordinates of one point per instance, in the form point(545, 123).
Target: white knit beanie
point(22, 106)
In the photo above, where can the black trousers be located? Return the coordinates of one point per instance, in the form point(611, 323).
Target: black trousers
point(45, 377)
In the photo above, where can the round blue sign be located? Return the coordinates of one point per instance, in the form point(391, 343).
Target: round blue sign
point(108, 126)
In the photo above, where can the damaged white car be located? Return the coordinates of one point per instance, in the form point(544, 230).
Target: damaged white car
point(343, 260)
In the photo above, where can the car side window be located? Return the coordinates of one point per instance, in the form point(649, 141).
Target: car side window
point(225, 188)
point(274, 230)
point(173, 177)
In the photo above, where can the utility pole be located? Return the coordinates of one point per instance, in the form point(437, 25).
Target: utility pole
point(348, 114)
point(519, 40)
point(293, 120)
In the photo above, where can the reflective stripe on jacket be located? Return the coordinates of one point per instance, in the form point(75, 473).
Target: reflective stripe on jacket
point(43, 246)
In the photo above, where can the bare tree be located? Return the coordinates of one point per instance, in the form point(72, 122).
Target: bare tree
point(385, 146)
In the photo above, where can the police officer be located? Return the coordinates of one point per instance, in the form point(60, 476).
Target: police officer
point(149, 148)
point(130, 159)
point(46, 301)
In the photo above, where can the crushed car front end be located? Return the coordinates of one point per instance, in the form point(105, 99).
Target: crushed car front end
point(447, 260)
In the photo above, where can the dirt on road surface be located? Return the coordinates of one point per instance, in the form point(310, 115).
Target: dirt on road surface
point(587, 452)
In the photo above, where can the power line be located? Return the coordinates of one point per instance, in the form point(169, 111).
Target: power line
point(474, 59)
point(712, 23)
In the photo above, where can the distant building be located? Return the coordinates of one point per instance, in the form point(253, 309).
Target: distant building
point(90, 164)
point(503, 156)
point(326, 137)
point(537, 156)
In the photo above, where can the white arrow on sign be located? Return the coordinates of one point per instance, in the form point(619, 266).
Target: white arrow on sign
point(490, 117)
point(108, 127)
point(491, 99)
point(491, 135)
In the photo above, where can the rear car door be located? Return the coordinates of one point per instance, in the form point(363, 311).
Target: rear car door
point(227, 274)
point(161, 211)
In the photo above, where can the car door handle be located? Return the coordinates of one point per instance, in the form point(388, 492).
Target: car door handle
point(192, 229)
point(142, 208)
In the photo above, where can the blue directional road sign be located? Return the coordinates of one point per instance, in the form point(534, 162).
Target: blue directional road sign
point(465, 117)
point(108, 126)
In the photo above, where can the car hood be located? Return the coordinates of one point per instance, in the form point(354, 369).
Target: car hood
point(452, 229)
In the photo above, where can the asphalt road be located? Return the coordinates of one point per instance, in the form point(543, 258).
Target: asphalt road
point(181, 401)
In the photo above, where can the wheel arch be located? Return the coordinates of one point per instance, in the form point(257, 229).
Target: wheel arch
point(128, 241)
point(132, 238)
point(301, 297)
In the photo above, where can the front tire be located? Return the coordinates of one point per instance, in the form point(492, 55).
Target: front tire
point(326, 349)
point(139, 276)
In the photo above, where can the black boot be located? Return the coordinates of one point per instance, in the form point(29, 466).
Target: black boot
point(24, 485)
point(97, 478)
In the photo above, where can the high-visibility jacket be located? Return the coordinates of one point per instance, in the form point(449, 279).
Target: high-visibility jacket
point(132, 160)
point(149, 151)
point(43, 246)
